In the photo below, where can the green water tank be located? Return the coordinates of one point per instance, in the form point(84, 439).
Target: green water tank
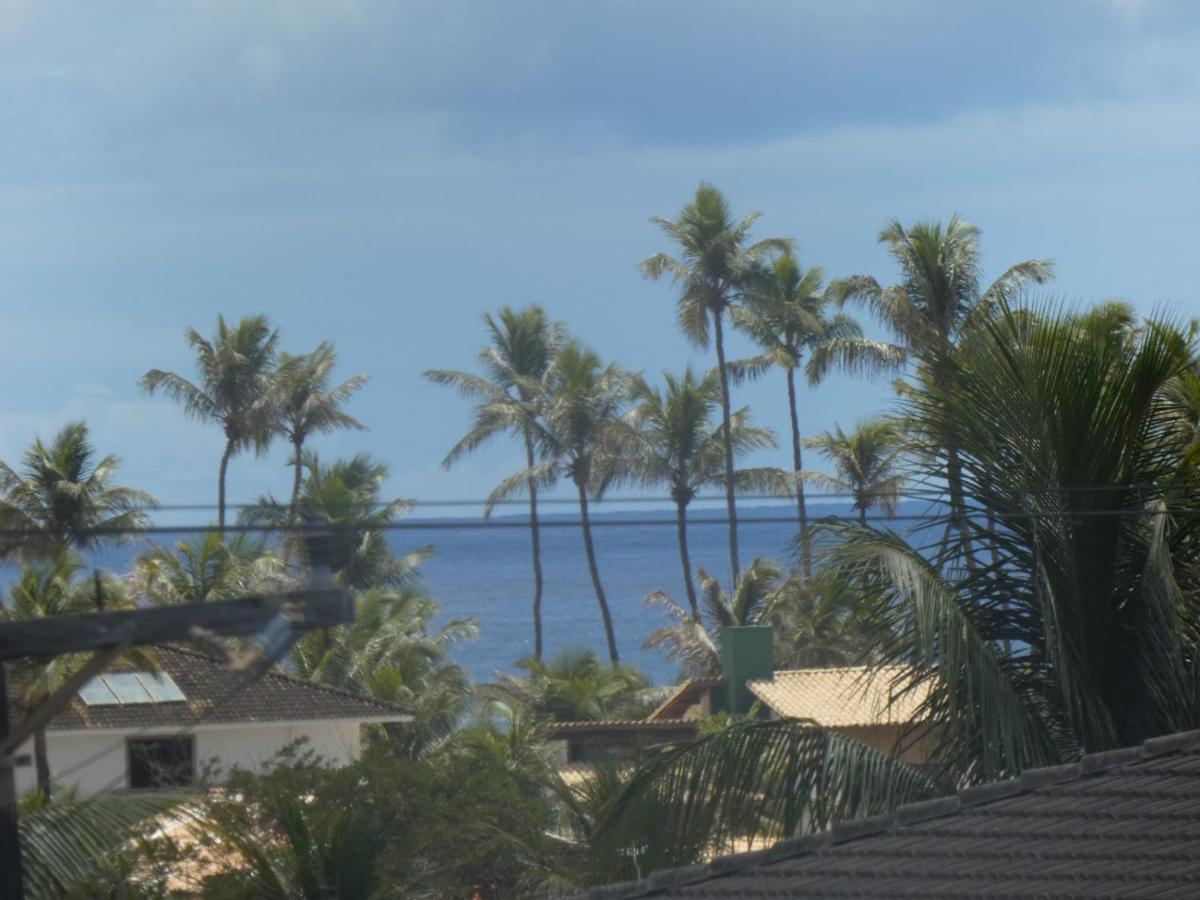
point(747, 651)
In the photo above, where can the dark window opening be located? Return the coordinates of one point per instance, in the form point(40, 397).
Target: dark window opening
point(161, 762)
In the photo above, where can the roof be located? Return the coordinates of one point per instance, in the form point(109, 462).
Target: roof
point(1125, 823)
point(215, 695)
point(845, 697)
point(684, 697)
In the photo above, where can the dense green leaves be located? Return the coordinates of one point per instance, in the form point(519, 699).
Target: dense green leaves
point(66, 844)
point(63, 498)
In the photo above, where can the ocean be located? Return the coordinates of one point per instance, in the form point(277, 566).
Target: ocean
point(484, 573)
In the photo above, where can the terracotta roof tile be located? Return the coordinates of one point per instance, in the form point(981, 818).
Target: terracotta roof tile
point(840, 697)
point(684, 698)
point(215, 696)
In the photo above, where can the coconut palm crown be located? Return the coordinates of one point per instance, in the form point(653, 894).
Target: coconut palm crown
point(63, 497)
point(234, 388)
point(867, 462)
point(304, 402)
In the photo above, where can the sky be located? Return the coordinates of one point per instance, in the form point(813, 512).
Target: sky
point(380, 174)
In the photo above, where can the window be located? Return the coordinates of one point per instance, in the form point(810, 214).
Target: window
point(120, 688)
point(161, 762)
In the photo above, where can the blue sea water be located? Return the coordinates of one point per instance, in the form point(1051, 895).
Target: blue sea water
point(484, 573)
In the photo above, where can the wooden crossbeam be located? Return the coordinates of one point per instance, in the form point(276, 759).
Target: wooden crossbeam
point(79, 632)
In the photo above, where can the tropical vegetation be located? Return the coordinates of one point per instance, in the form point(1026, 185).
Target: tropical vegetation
point(1039, 602)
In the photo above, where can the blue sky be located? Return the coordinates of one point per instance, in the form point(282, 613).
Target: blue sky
point(381, 173)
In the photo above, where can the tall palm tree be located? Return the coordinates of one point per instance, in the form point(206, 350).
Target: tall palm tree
point(867, 462)
point(938, 298)
point(715, 264)
point(235, 369)
point(579, 426)
point(64, 497)
point(674, 441)
point(523, 344)
point(788, 315)
point(305, 404)
point(48, 588)
point(346, 496)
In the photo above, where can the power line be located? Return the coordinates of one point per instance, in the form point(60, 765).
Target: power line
point(913, 494)
point(467, 524)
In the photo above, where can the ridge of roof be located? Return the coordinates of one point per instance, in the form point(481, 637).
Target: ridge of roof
point(622, 724)
point(292, 679)
point(688, 685)
point(1089, 764)
point(826, 670)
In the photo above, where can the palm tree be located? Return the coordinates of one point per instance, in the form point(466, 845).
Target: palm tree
point(523, 345)
point(787, 314)
point(867, 462)
point(49, 588)
point(673, 440)
point(234, 388)
point(933, 307)
point(305, 404)
point(697, 646)
point(345, 496)
point(572, 686)
point(579, 426)
point(66, 845)
point(393, 652)
point(715, 265)
point(207, 568)
point(64, 497)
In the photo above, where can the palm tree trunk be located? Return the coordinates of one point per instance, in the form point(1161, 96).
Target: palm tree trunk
point(954, 485)
point(797, 468)
point(590, 550)
point(536, 549)
point(41, 759)
point(221, 486)
point(297, 473)
point(684, 558)
point(958, 505)
point(727, 444)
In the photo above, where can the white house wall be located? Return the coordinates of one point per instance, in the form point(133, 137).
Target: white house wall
point(96, 761)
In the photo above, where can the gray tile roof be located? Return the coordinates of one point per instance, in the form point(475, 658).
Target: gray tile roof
point(215, 695)
point(1120, 824)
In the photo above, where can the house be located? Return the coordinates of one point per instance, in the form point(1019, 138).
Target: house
point(875, 705)
point(1125, 823)
point(131, 729)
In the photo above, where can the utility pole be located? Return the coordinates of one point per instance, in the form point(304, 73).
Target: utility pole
point(10, 837)
point(277, 619)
